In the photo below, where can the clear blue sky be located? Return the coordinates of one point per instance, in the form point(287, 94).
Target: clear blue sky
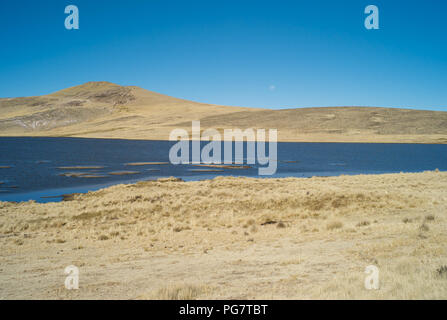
point(271, 54)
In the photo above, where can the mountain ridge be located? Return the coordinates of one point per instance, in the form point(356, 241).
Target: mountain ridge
point(107, 110)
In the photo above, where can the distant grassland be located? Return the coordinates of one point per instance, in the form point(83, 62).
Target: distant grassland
point(233, 238)
point(106, 110)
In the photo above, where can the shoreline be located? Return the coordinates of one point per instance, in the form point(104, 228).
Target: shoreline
point(233, 238)
point(68, 196)
point(306, 139)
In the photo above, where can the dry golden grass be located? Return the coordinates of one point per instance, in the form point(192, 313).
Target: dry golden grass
point(285, 238)
point(106, 110)
point(177, 292)
point(334, 225)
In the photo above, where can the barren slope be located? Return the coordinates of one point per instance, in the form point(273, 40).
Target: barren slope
point(106, 110)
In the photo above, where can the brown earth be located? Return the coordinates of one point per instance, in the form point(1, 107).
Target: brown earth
point(106, 110)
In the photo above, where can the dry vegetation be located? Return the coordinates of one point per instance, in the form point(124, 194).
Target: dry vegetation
point(106, 110)
point(232, 238)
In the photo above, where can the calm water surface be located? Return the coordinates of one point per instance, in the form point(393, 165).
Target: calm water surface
point(30, 167)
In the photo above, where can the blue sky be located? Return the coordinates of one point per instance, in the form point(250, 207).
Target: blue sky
point(272, 54)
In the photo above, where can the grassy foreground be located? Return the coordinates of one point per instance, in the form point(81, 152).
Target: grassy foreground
point(233, 238)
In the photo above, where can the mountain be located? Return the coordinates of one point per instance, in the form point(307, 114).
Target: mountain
point(107, 110)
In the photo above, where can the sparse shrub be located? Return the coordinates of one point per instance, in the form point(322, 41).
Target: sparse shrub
point(334, 225)
point(430, 217)
point(424, 227)
point(103, 237)
point(406, 220)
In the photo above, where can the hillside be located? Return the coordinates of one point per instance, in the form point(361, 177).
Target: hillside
point(106, 110)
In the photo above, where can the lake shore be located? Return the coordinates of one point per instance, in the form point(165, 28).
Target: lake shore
point(233, 238)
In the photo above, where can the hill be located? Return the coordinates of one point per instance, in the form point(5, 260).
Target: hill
point(107, 110)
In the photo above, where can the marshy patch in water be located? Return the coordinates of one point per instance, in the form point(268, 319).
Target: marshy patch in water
point(81, 175)
point(205, 170)
point(222, 166)
point(123, 173)
point(81, 167)
point(146, 163)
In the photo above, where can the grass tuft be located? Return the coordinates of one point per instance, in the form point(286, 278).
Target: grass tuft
point(334, 225)
point(179, 292)
point(363, 223)
point(442, 271)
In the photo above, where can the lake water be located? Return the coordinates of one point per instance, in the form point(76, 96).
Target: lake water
point(30, 168)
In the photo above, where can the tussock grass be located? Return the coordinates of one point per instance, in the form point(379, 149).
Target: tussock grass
point(424, 228)
point(178, 292)
point(442, 271)
point(336, 226)
point(363, 223)
point(281, 225)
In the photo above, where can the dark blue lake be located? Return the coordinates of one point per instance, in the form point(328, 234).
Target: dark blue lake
point(30, 168)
